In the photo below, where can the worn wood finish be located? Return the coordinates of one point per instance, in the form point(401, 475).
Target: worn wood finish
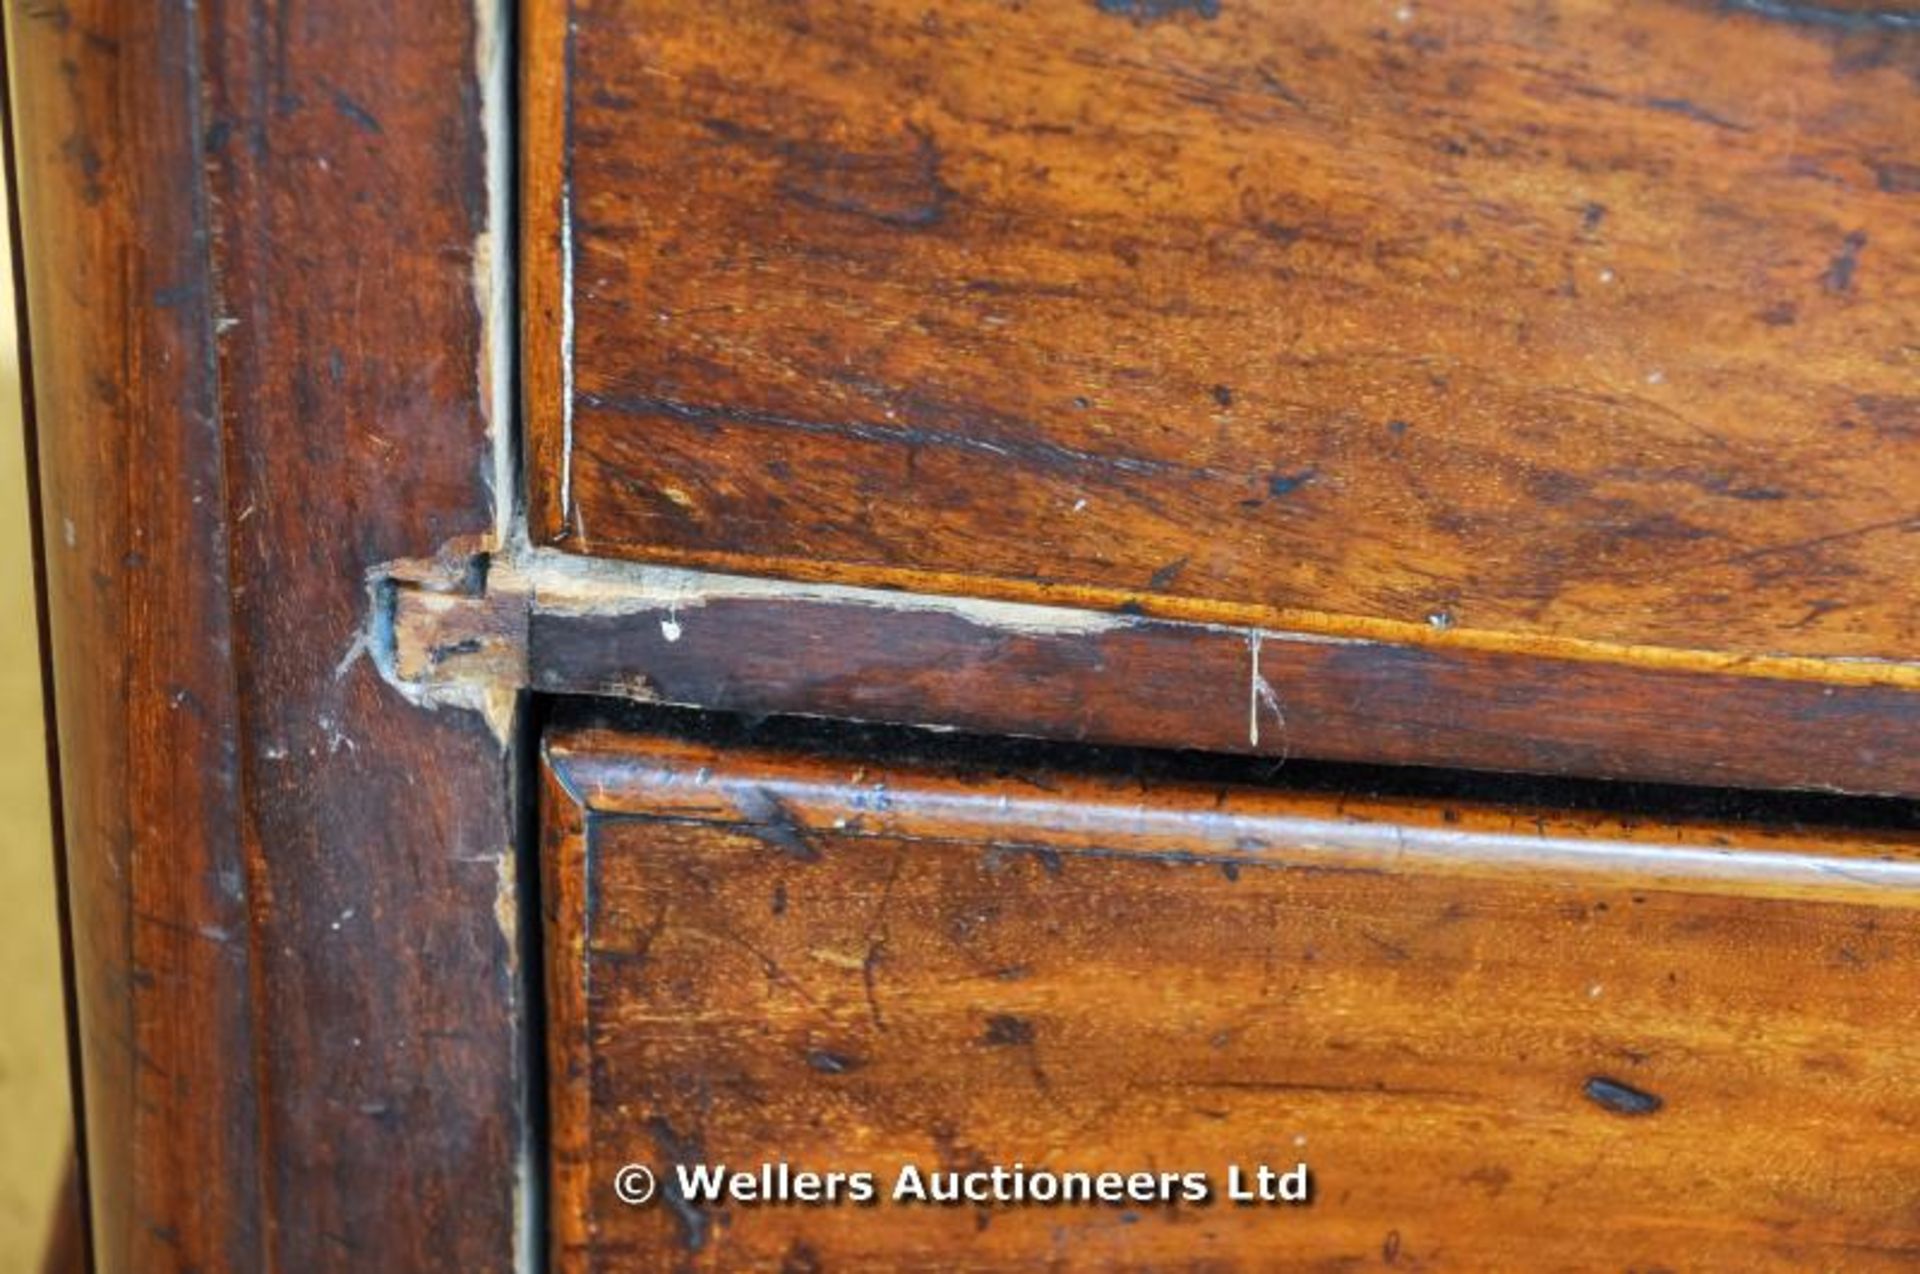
point(471, 630)
point(250, 235)
point(1501, 1037)
point(1161, 683)
point(1589, 327)
point(138, 598)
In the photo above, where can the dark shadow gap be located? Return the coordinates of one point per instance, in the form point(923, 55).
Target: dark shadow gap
point(989, 756)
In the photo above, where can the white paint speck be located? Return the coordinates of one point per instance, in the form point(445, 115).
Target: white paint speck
point(1403, 14)
point(336, 738)
point(1656, 377)
point(1078, 505)
point(1606, 276)
point(670, 626)
point(1593, 992)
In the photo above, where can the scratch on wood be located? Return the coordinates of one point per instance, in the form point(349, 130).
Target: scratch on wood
point(493, 283)
point(565, 584)
point(1005, 448)
point(566, 351)
point(1260, 693)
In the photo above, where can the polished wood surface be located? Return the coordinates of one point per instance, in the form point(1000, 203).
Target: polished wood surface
point(1581, 329)
point(138, 597)
point(1500, 1037)
point(249, 240)
point(1493, 384)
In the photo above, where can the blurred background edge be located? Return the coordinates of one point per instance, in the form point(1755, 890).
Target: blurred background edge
point(38, 1200)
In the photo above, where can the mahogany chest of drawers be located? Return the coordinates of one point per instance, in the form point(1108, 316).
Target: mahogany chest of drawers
point(990, 591)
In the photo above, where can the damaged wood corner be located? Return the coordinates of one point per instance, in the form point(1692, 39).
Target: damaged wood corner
point(455, 630)
point(451, 631)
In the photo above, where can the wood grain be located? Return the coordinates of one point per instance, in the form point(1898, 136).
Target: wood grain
point(1591, 326)
point(138, 582)
point(250, 236)
point(1500, 1037)
point(1161, 683)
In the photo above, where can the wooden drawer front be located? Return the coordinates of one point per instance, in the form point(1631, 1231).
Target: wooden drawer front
point(1499, 1040)
point(1594, 325)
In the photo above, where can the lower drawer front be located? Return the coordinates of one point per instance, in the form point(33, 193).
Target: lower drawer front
point(1497, 1038)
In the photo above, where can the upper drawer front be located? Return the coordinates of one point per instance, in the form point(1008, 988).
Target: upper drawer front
point(1500, 1040)
point(1594, 321)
